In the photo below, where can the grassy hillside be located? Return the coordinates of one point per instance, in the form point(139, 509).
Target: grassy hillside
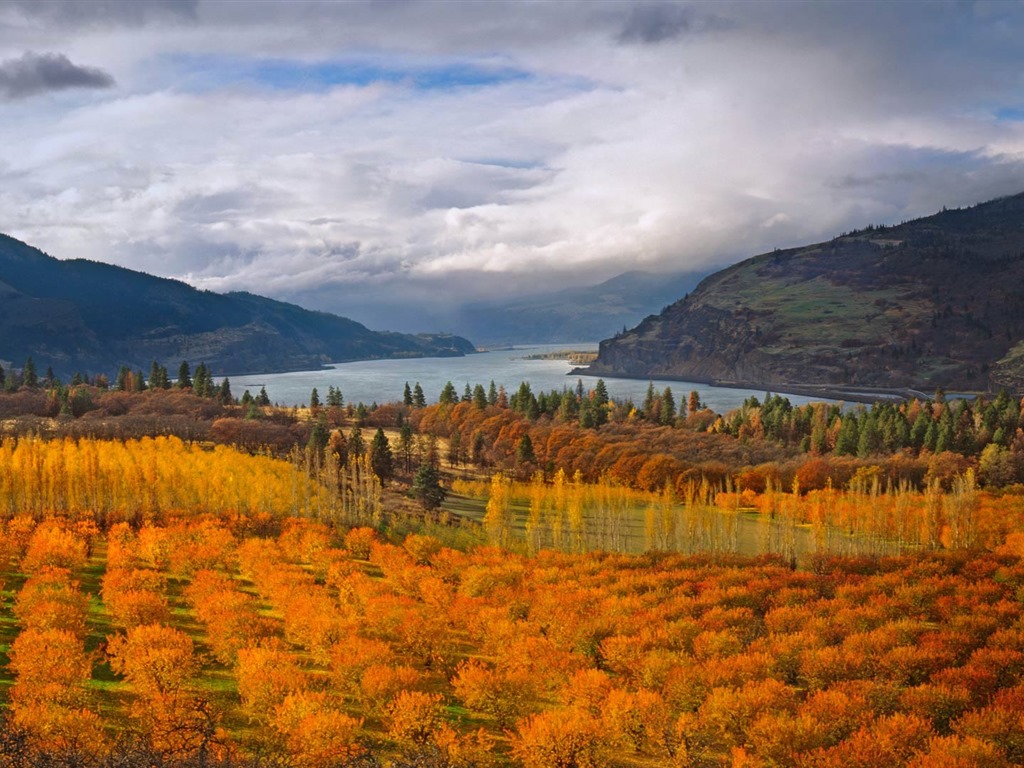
point(928, 303)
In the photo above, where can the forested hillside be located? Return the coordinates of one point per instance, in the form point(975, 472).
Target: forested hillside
point(83, 315)
point(927, 303)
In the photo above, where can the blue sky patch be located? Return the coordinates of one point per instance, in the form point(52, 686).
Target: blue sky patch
point(505, 162)
point(209, 72)
point(1010, 114)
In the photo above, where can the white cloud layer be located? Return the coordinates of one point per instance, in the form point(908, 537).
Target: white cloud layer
point(368, 156)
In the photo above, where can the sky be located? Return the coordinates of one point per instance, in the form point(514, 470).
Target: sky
point(387, 160)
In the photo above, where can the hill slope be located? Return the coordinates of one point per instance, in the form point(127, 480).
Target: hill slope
point(84, 315)
point(938, 301)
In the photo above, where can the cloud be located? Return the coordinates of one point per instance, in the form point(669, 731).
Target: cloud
point(75, 13)
point(392, 154)
point(656, 22)
point(36, 73)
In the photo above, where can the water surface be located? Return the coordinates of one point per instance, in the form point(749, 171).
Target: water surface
point(383, 381)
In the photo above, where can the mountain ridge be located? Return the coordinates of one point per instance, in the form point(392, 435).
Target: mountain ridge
point(933, 302)
point(78, 314)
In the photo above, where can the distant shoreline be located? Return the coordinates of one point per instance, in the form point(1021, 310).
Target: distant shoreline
point(827, 391)
point(576, 357)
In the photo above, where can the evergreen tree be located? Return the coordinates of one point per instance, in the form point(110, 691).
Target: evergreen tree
point(224, 392)
point(81, 401)
point(139, 382)
point(668, 407)
point(202, 381)
point(407, 395)
point(50, 379)
point(492, 394)
point(448, 395)
point(568, 409)
point(999, 436)
point(524, 402)
point(334, 397)
point(901, 434)
point(263, 399)
point(455, 448)
point(419, 400)
point(479, 454)
point(314, 399)
point(65, 405)
point(356, 445)
point(920, 429)
point(405, 446)
point(587, 414)
point(848, 438)
point(467, 394)
point(648, 406)
point(433, 456)
point(479, 397)
point(184, 376)
point(524, 451)
point(29, 377)
point(543, 403)
point(318, 438)
point(963, 429)
point(3, 377)
point(818, 443)
point(869, 440)
point(381, 459)
point(426, 486)
point(599, 410)
point(122, 378)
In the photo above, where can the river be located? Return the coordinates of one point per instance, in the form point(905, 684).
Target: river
point(382, 381)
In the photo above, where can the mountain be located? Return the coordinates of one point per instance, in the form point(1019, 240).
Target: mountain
point(573, 314)
point(935, 302)
point(84, 315)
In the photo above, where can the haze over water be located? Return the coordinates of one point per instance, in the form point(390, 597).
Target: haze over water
point(383, 381)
